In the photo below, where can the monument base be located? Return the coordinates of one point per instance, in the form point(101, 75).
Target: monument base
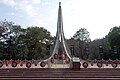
point(76, 63)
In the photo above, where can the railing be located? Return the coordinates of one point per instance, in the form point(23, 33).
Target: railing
point(100, 64)
point(45, 64)
point(23, 64)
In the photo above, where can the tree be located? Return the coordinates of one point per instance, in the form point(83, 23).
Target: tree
point(114, 40)
point(9, 34)
point(20, 43)
point(82, 35)
point(36, 40)
point(114, 37)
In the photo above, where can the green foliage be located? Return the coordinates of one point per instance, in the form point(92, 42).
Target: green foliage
point(82, 35)
point(20, 43)
point(37, 37)
point(114, 37)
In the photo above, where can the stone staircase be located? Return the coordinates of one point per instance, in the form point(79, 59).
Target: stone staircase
point(60, 73)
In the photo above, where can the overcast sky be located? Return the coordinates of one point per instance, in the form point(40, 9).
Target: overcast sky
point(98, 16)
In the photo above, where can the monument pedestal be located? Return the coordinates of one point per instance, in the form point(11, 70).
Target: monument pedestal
point(76, 63)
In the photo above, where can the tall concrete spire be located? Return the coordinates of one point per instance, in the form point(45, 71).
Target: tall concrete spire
point(60, 4)
point(60, 46)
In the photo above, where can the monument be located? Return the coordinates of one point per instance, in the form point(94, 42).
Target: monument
point(60, 46)
point(61, 52)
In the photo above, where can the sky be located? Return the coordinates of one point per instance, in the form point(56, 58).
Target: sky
point(98, 16)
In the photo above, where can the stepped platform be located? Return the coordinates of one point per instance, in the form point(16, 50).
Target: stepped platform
point(59, 73)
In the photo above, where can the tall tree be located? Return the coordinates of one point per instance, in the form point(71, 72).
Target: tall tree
point(36, 40)
point(19, 43)
point(82, 35)
point(114, 37)
point(114, 40)
point(7, 40)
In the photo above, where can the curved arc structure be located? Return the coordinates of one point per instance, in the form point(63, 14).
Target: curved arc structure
point(60, 39)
